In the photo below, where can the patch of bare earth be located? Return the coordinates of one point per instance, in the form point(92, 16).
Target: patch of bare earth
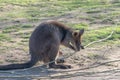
point(99, 63)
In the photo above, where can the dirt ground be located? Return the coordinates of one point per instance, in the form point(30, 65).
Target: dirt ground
point(104, 66)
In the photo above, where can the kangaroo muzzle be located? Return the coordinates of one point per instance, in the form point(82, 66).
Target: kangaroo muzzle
point(82, 47)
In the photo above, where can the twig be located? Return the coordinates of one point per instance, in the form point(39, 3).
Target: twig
point(100, 40)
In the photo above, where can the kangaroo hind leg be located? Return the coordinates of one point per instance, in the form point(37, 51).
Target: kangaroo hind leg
point(52, 54)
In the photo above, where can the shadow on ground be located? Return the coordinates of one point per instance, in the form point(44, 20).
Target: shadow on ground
point(43, 73)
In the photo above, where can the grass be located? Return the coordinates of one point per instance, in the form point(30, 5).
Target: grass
point(11, 29)
point(18, 2)
point(94, 11)
point(35, 9)
point(4, 37)
point(81, 25)
point(95, 35)
point(19, 31)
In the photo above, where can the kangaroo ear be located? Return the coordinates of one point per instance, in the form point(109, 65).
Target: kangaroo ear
point(81, 31)
point(75, 34)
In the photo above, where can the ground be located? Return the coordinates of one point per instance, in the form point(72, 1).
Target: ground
point(99, 61)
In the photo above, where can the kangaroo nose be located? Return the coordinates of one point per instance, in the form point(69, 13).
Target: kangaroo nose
point(82, 47)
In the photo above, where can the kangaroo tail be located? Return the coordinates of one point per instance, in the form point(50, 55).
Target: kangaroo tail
point(19, 66)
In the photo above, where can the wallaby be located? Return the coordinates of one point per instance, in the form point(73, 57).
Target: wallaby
point(44, 44)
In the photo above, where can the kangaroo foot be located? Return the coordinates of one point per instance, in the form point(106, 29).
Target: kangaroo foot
point(65, 66)
point(59, 66)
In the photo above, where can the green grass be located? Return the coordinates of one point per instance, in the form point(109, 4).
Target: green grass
point(18, 2)
point(4, 37)
point(81, 25)
point(11, 29)
point(89, 36)
point(93, 12)
point(102, 33)
point(26, 26)
point(37, 9)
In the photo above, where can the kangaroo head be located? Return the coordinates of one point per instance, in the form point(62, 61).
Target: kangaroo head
point(76, 42)
point(73, 40)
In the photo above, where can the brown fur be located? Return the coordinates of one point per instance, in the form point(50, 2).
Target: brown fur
point(44, 44)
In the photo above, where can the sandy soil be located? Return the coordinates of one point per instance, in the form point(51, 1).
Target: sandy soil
point(105, 66)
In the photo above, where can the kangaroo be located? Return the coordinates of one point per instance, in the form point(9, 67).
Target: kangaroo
point(44, 44)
